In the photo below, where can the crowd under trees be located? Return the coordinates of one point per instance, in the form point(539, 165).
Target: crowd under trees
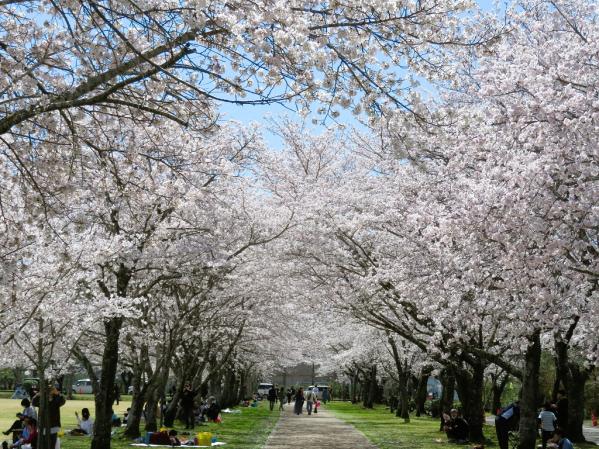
point(453, 232)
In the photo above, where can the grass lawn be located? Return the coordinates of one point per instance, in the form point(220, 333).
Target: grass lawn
point(389, 432)
point(247, 430)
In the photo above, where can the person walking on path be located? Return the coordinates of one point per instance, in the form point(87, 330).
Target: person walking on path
point(293, 393)
point(299, 402)
point(547, 422)
point(187, 401)
point(310, 399)
point(289, 395)
point(281, 398)
point(272, 397)
point(315, 390)
point(507, 420)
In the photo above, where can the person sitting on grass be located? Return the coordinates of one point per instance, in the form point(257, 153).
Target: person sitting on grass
point(16, 428)
point(213, 410)
point(28, 436)
point(172, 436)
point(456, 427)
point(559, 440)
point(85, 423)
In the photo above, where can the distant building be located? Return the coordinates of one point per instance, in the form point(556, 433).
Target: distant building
point(301, 375)
point(434, 388)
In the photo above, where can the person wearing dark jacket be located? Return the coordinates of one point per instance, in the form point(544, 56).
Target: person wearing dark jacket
point(299, 401)
point(507, 420)
point(456, 427)
point(272, 397)
point(187, 402)
point(55, 401)
point(213, 409)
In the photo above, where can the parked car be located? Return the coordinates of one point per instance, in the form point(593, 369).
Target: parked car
point(321, 389)
point(82, 386)
point(263, 389)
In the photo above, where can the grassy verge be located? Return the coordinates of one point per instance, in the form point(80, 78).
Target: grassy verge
point(389, 432)
point(246, 430)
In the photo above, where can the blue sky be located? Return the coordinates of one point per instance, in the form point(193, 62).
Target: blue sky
point(262, 113)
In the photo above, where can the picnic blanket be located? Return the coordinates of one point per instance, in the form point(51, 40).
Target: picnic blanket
point(218, 443)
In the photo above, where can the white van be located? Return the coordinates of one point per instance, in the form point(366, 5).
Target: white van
point(83, 386)
point(263, 389)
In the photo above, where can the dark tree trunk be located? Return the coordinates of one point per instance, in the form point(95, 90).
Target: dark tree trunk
point(135, 411)
point(573, 377)
point(229, 394)
point(530, 388)
point(447, 379)
point(105, 394)
point(171, 411)
point(150, 412)
point(499, 384)
point(470, 385)
point(353, 388)
point(127, 379)
point(43, 441)
point(241, 394)
point(576, 400)
point(421, 392)
point(371, 388)
point(403, 411)
point(69, 390)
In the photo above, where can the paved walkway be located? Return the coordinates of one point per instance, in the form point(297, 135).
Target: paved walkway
point(317, 431)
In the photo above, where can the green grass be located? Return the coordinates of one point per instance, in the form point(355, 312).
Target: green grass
point(247, 430)
point(388, 432)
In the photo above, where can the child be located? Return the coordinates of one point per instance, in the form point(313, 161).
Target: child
point(85, 423)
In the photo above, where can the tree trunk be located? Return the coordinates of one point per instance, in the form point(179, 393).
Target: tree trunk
point(470, 384)
point(43, 441)
point(421, 392)
point(576, 400)
point(353, 388)
point(573, 377)
point(403, 411)
point(499, 384)
point(150, 412)
point(171, 411)
point(370, 389)
point(127, 379)
point(229, 395)
point(447, 393)
point(135, 411)
point(530, 388)
point(105, 395)
point(241, 394)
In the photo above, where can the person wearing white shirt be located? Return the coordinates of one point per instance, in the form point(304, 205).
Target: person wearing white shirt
point(547, 420)
point(310, 399)
point(85, 423)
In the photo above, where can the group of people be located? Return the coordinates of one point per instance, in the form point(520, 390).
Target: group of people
point(456, 427)
point(310, 397)
point(208, 410)
point(25, 429)
point(552, 421)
